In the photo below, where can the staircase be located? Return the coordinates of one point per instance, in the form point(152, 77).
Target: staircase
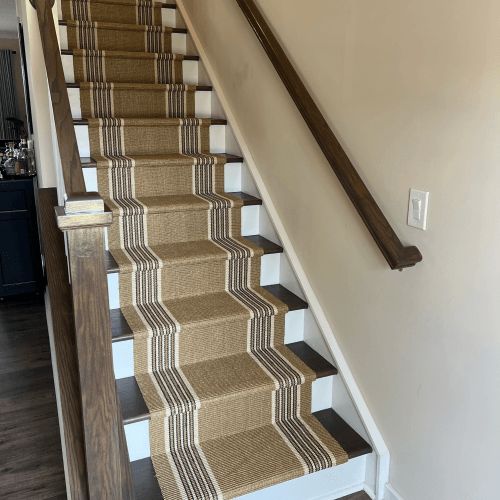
point(221, 395)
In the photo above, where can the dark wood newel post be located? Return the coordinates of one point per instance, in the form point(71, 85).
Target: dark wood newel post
point(84, 220)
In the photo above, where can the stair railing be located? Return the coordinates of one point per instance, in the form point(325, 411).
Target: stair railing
point(397, 255)
point(97, 462)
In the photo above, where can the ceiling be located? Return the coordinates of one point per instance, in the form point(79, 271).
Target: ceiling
point(8, 18)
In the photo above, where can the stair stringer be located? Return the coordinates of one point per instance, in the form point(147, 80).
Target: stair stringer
point(319, 333)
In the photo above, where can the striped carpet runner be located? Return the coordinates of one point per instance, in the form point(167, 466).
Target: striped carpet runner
point(229, 403)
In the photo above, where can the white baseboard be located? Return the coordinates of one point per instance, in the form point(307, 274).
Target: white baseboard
point(391, 493)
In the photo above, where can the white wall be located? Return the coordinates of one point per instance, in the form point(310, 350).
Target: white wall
point(41, 108)
point(411, 89)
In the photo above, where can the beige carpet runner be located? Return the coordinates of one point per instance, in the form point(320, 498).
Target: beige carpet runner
point(229, 402)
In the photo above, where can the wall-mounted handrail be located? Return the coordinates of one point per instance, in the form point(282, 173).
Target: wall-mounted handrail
point(397, 255)
point(84, 217)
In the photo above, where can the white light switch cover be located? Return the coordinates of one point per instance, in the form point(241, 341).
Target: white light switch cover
point(417, 209)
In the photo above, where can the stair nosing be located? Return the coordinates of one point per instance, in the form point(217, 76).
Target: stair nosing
point(199, 88)
point(119, 323)
point(128, 388)
point(70, 52)
point(88, 162)
point(182, 31)
point(213, 121)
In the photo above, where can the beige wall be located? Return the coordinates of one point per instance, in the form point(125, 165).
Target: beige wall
point(412, 90)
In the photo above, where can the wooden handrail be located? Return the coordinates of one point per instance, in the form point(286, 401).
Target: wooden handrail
point(99, 432)
point(397, 255)
point(66, 137)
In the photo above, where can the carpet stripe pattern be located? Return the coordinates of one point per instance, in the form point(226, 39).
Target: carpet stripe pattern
point(230, 404)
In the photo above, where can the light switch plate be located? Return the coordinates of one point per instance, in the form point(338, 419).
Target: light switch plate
point(417, 209)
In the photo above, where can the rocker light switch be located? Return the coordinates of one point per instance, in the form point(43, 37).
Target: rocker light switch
point(417, 209)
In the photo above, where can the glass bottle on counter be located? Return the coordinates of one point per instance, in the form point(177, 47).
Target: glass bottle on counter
point(30, 151)
point(10, 162)
point(22, 159)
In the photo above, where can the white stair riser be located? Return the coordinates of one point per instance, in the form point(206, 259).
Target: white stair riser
point(232, 178)
point(178, 41)
point(203, 103)
point(327, 484)
point(217, 139)
point(137, 434)
point(189, 70)
point(269, 275)
point(123, 351)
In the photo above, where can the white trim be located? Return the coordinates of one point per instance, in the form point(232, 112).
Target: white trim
point(376, 438)
point(391, 493)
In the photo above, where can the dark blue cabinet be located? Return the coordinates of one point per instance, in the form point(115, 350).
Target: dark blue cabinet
point(20, 258)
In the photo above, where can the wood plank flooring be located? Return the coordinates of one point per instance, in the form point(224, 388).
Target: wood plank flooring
point(360, 495)
point(30, 451)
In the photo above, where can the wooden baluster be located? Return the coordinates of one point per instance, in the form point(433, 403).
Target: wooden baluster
point(83, 219)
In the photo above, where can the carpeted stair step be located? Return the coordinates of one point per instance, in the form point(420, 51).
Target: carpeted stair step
point(139, 100)
point(135, 409)
point(182, 219)
point(189, 68)
point(151, 136)
point(117, 11)
point(121, 331)
point(146, 484)
point(199, 314)
point(171, 174)
point(225, 337)
point(123, 37)
point(234, 388)
point(127, 67)
point(268, 247)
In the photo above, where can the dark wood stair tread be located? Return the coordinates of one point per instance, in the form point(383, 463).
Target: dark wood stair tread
point(88, 162)
point(69, 52)
point(64, 22)
point(213, 121)
point(293, 301)
point(199, 88)
point(316, 362)
point(267, 245)
point(146, 485)
point(134, 408)
point(346, 436)
point(120, 329)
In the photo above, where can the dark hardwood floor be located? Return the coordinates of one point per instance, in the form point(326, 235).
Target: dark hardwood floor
point(30, 451)
point(361, 495)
